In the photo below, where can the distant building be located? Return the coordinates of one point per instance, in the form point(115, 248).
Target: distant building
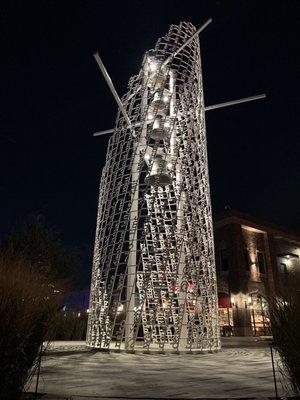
point(254, 260)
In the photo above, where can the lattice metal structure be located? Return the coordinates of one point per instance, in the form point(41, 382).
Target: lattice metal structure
point(153, 281)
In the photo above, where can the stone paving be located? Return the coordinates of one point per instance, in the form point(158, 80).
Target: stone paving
point(241, 370)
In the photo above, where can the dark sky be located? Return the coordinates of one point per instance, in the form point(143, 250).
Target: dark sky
point(53, 98)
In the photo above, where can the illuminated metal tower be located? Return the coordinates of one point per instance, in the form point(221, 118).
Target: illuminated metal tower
point(154, 281)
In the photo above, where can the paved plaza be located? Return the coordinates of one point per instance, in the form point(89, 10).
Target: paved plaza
point(242, 369)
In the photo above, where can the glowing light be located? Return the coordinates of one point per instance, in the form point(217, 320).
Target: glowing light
point(164, 305)
point(120, 308)
point(147, 157)
point(87, 310)
point(152, 66)
point(169, 165)
point(156, 124)
point(150, 116)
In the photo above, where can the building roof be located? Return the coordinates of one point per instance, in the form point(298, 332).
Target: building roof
point(234, 216)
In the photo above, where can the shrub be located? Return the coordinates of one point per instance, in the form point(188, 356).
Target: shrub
point(67, 326)
point(27, 305)
point(41, 247)
point(285, 322)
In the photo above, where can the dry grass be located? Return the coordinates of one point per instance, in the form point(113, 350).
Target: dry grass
point(285, 321)
point(27, 306)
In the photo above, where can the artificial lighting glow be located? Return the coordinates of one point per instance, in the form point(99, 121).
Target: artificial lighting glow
point(78, 315)
point(167, 124)
point(249, 300)
point(147, 157)
point(120, 308)
point(288, 256)
point(156, 124)
point(165, 99)
point(169, 165)
point(152, 66)
point(232, 299)
point(150, 116)
point(87, 310)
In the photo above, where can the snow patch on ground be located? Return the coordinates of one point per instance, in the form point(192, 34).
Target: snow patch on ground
point(241, 369)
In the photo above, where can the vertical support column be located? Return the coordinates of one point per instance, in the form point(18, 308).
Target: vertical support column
point(131, 268)
point(132, 259)
point(180, 222)
point(182, 287)
point(172, 115)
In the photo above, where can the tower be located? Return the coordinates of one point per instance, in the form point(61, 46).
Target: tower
point(154, 272)
point(154, 281)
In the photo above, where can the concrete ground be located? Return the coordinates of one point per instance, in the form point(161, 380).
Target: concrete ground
point(242, 369)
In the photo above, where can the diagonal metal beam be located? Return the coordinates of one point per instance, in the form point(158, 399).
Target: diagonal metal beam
point(234, 102)
point(202, 27)
point(100, 133)
point(208, 108)
point(136, 125)
point(112, 88)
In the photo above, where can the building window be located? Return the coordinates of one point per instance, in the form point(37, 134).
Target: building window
point(246, 258)
point(224, 260)
point(261, 262)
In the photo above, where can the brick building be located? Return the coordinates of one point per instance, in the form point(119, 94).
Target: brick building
point(255, 260)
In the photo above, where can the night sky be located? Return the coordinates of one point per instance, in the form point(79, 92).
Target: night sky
point(53, 98)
